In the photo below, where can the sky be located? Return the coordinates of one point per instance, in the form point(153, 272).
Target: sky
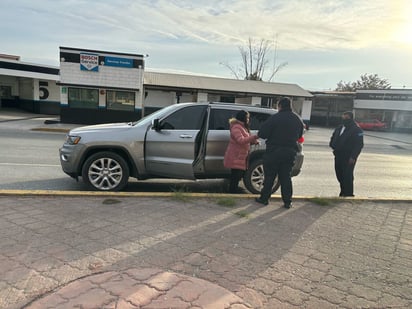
point(322, 41)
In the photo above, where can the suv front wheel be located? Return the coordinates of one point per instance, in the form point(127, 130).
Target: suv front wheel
point(105, 171)
point(254, 177)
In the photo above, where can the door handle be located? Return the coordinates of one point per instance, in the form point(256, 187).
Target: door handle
point(186, 136)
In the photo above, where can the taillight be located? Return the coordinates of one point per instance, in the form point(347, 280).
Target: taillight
point(301, 140)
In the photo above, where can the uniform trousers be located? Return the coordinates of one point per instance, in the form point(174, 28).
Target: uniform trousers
point(344, 174)
point(278, 162)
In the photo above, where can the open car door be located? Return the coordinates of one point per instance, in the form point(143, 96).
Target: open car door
point(171, 143)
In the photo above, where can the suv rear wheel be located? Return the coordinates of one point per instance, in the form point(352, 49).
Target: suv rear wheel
point(105, 171)
point(254, 177)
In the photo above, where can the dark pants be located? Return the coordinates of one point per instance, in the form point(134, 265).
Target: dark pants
point(235, 176)
point(344, 174)
point(278, 162)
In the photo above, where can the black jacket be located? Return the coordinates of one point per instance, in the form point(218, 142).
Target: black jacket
point(282, 129)
point(350, 143)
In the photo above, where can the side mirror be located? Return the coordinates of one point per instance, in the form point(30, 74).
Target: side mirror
point(156, 124)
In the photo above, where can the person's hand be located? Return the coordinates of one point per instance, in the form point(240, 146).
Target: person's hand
point(352, 161)
point(255, 140)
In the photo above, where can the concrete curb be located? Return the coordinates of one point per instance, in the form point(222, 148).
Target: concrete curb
point(188, 194)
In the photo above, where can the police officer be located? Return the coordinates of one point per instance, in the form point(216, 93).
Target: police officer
point(347, 143)
point(281, 132)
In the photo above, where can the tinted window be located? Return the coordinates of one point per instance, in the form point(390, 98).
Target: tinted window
point(219, 118)
point(188, 118)
point(257, 119)
point(120, 100)
point(83, 98)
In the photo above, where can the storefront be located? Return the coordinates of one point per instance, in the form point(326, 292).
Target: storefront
point(92, 87)
point(392, 106)
point(100, 86)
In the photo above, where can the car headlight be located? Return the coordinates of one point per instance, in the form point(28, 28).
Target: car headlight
point(72, 139)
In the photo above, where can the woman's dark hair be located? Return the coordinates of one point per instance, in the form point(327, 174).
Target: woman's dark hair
point(242, 116)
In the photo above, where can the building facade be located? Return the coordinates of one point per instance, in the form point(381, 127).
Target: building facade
point(162, 89)
point(328, 106)
point(392, 106)
point(100, 86)
point(29, 86)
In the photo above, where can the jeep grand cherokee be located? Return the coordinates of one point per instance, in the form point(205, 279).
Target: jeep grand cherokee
point(181, 141)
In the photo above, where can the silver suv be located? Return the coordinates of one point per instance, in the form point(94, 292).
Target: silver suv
point(181, 141)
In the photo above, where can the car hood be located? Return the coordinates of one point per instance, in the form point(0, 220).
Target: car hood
point(101, 128)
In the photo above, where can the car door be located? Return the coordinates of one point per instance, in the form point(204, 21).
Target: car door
point(210, 159)
point(216, 141)
point(170, 150)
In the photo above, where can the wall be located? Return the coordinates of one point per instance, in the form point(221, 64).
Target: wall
point(26, 88)
point(106, 77)
point(158, 98)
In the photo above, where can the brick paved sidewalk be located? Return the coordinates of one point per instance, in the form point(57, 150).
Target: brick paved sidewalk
point(140, 288)
point(58, 250)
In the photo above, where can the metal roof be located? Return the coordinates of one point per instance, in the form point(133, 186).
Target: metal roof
point(207, 83)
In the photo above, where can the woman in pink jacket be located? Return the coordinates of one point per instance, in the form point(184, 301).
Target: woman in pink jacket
point(238, 149)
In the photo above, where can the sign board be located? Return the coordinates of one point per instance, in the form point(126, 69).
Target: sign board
point(384, 96)
point(118, 62)
point(89, 62)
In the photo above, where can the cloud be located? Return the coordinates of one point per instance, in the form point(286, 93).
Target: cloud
point(309, 24)
point(197, 35)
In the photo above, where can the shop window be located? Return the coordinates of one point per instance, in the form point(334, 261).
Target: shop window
point(227, 99)
point(5, 92)
point(120, 100)
point(83, 98)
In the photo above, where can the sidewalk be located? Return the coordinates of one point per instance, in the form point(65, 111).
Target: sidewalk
point(192, 251)
point(171, 250)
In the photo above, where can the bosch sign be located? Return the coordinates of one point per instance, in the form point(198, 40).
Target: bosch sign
point(89, 62)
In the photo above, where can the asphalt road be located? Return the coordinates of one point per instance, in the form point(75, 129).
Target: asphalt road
point(29, 161)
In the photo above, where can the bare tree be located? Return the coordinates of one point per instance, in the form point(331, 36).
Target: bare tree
point(366, 82)
point(254, 56)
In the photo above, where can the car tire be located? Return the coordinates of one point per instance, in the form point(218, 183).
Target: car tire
point(105, 171)
point(254, 176)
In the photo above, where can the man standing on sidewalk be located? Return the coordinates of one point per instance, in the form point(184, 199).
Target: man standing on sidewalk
point(281, 132)
point(347, 143)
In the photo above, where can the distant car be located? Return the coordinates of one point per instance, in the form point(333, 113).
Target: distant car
point(183, 141)
point(372, 124)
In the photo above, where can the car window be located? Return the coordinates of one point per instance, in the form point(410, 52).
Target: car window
point(188, 118)
point(219, 118)
point(257, 119)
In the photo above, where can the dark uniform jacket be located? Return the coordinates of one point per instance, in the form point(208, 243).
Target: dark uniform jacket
point(350, 143)
point(282, 129)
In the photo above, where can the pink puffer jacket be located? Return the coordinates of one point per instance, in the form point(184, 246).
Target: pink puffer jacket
point(239, 145)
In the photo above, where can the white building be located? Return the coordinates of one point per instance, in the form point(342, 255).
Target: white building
point(29, 86)
point(93, 86)
point(393, 106)
point(100, 86)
